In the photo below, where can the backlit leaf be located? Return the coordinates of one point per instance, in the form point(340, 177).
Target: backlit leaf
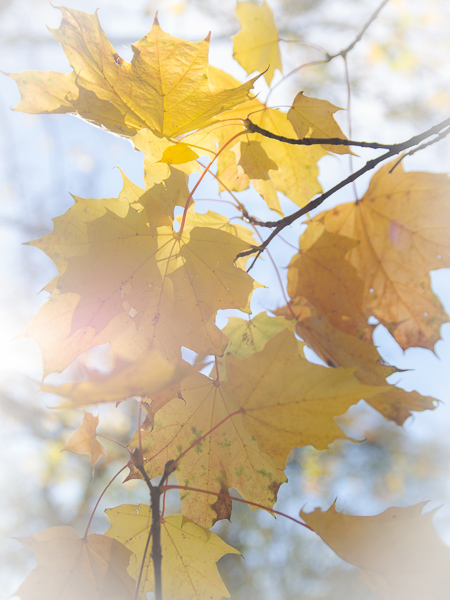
point(75, 568)
point(401, 225)
point(190, 553)
point(227, 457)
point(164, 88)
point(311, 117)
point(255, 47)
point(84, 440)
point(398, 553)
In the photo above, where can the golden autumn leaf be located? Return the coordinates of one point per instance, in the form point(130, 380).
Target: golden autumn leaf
point(165, 88)
point(288, 401)
point(311, 117)
point(272, 402)
point(84, 440)
point(51, 329)
point(248, 337)
point(255, 47)
point(398, 553)
point(163, 287)
point(340, 349)
point(149, 374)
point(328, 303)
point(401, 225)
point(228, 457)
point(190, 553)
point(321, 275)
point(77, 568)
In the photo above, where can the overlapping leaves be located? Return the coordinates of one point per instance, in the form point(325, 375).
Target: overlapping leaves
point(133, 276)
point(164, 88)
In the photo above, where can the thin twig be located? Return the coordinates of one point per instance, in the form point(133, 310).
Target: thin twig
point(241, 500)
point(329, 57)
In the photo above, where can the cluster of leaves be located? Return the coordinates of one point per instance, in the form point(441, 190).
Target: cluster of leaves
point(147, 274)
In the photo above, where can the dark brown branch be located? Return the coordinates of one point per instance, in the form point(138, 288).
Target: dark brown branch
point(371, 164)
point(155, 494)
point(155, 530)
point(253, 128)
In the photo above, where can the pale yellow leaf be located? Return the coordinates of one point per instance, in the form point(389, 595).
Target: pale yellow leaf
point(255, 47)
point(189, 552)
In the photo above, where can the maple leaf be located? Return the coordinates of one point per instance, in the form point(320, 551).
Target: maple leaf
point(284, 402)
point(77, 568)
point(190, 553)
point(340, 349)
point(228, 457)
point(84, 440)
point(255, 47)
point(248, 337)
point(398, 553)
point(328, 304)
point(401, 225)
point(164, 88)
point(148, 374)
point(69, 236)
point(311, 117)
point(288, 401)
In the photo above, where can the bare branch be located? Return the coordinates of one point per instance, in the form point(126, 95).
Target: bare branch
point(440, 130)
point(253, 128)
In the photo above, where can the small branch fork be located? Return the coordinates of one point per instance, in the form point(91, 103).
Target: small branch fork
point(440, 131)
point(155, 533)
point(342, 53)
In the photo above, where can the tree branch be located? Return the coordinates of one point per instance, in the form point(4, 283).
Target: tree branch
point(253, 128)
point(371, 164)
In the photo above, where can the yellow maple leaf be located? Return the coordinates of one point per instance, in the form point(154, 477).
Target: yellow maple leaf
point(227, 457)
point(133, 285)
point(340, 349)
point(149, 374)
point(328, 304)
point(77, 568)
point(190, 553)
point(164, 88)
point(320, 274)
point(248, 337)
point(311, 117)
point(401, 225)
point(398, 553)
point(84, 440)
point(255, 47)
point(288, 401)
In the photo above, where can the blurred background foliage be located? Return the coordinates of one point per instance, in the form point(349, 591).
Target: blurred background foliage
point(399, 81)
